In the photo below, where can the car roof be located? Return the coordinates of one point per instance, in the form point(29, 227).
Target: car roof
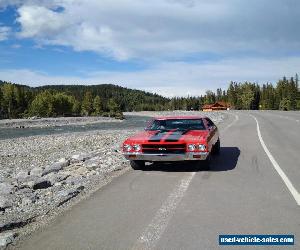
point(178, 117)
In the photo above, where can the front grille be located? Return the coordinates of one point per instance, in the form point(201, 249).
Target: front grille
point(163, 148)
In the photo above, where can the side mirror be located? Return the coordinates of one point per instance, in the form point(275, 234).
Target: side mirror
point(211, 128)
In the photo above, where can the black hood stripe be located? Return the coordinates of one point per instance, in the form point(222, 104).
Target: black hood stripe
point(157, 136)
point(175, 136)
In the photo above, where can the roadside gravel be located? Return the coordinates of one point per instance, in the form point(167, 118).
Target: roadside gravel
point(39, 174)
point(53, 122)
point(216, 116)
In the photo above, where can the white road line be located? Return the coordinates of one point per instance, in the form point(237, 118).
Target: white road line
point(155, 229)
point(283, 176)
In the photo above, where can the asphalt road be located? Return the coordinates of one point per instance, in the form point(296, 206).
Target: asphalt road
point(176, 207)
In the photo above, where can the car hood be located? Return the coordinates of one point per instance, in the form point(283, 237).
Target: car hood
point(192, 136)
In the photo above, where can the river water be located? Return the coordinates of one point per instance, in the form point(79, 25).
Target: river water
point(131, 122)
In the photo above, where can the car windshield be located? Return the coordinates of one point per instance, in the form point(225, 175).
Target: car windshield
point(178, 124)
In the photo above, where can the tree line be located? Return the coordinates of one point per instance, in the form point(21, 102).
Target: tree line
point(284, 96)
point(17, 101)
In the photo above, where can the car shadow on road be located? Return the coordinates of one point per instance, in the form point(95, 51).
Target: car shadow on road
point(225, 161)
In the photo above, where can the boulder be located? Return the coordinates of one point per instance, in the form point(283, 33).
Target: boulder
point(66, 195)
point(11, 224)
point(5, 203)
point(74, 180)
point(78, 158)
point(21, 176)
point(28, 184)
point(82, 157)
point(36, 172)
point(58, 177)
point(6, 188)
point(93, 163)
point(7, 238)
point(64, 162)
point(54, 168)
point(42, 183)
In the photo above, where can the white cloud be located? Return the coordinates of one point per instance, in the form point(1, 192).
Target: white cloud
point(165, 32)
point(38, 20)
point(47, 3)
point(173, 79)
point(4, 33)
point(144, 29)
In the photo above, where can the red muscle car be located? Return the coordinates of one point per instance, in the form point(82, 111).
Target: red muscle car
point(169, 139)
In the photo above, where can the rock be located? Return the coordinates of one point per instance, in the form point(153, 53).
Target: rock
point(64, 163)
point(54, 168)
point(81, 171)
point(82, 157)
point(74, 180)
point(57, 184)
point(78, 158)
point(6, 188)
point(7, 238)
point(92, 164)
point(93, 172)
point(36, 172)
point(5, 203)
point(28, 198)
point(66, 195)
point(22, 176)
point(75, 157)
point(15, 223)
point(42, 184)
point(58, 177)
point(27, 184)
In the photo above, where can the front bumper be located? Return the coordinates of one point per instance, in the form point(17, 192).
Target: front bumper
point(191, 156)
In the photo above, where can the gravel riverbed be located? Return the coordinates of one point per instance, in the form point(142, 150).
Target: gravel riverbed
point(53, 122)
point(216, 116)
point(43, 175)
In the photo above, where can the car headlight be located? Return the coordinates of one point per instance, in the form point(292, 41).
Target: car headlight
point(137, 147)
point(127, 147)
point(202, 147)
point(191, 147)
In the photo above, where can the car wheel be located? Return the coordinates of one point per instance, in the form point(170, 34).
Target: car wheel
point(137, 165)
point(217, 147)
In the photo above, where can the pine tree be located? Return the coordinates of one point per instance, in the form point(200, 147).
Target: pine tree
point(87, 104)
point(97, 105)
point(113, 106)
point(42, 105)
point(232, 95)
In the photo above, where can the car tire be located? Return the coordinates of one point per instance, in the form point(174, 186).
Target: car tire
point(217, 147)
point(137, 165)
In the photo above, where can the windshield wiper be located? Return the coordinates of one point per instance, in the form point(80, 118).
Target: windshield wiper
point(162, 131)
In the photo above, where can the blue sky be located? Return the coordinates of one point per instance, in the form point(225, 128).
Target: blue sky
point(171, 47)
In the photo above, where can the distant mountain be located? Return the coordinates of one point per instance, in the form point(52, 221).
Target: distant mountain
point(128, 99)
point(125, 98)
